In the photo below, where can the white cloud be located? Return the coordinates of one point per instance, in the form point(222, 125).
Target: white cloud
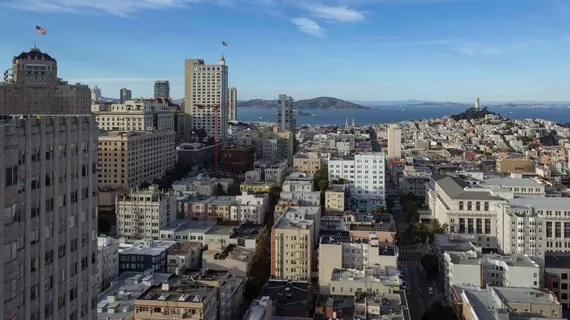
point(336, 13)
point(309, 26)
point(116, 7)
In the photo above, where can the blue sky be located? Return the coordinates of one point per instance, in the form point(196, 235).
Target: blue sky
point(450, 50)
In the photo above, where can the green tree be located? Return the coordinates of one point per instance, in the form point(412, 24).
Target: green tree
point(379, 209)
point(220, 190)
point(321, 175)
point(323, 185)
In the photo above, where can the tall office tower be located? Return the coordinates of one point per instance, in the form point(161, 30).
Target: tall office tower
point(126, 95)
point(48, 189)
point(285, 114)
point(162, 89)
point(232, 95)
point(206, 96)
point(34, 88)
point(394, 142)
point(95, 94)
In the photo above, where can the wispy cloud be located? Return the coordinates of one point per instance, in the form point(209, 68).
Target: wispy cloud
point(336, 13)
point(309, 26)
point(116, 7)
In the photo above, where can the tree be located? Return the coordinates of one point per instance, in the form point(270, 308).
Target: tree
point(201, 133)
point(323, 185)
point(379, 209)
point(321, 175)
point(220, 190)
point(430, 264)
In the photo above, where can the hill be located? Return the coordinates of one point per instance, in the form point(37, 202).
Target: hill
point(315, 103)
point(472, 113)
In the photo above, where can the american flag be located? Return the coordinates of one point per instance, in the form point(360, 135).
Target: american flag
point(225, 44)
point(40, 30)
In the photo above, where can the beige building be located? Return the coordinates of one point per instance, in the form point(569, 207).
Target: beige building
point(48, 191)
point(127, 159)
point(516, 166)
point(141, 213)
point(341, 255)
point(186, 255)
point(336, 197)
point(135, 115)
point(232, 96)
point(292, 239)
point(394, 142)
point(206, 86)
point(308, 163)
point(34, 88)
point(237, 260)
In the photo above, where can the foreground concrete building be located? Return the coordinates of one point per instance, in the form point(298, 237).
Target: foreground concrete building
point(48, 190)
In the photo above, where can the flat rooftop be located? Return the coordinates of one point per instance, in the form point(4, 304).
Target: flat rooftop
point(117, 302)
point(288, 294)
point(554, 203)
point(185, 247)
point(221, 230)
point(248, 231)
point(512, 182)
point(387, 275)
point(179, 225)
point(146, 247)
point(179, 290)
point(232, 252)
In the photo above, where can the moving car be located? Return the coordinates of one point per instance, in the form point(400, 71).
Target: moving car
point(404, 285)
point(430, 291)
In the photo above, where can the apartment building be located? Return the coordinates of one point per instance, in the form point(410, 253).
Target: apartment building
point(414, 183)
point(250, 208)
point(285, 114)
point(336, 197)
point(185, 255)
point(308, 163)
point(125, 95)
point(365, 172)
point(33, 87)
point(394, 142)
point(206, 96)
point(135, 115)
point(377, 279)
point(107, 261)
point(557, 280)
point(237, 260)
point(213, 208)
point(515, 165)
point(295, 304)
point(232, 96)
point(177, 298)
point(143, 255)
point(127, 159)
point(521, 187)
point(96, 94)
point(292, 239)
point(141, 213)
point(495, 303)
point(473, 268)
point(298, 182)
point(341, 254)
point(162, 89)
point(49, 194)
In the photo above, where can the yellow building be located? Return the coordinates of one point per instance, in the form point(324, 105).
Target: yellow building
point(308, 163)
point(335, 197)
point(255, 187)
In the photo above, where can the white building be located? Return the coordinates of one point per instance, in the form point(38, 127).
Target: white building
point(107, 261)
point(187, 255)
point(232, 96)
point(250, 208)
point(365, 172)
point(95, 94)
point(141, 213)
point(48, 191)
point(136, 115)
point(206, 95)
point(472, 268)
point(394, 142)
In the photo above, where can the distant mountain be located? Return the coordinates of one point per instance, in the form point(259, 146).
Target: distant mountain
point(315, 103)
point(114, 100)
point(412, 103)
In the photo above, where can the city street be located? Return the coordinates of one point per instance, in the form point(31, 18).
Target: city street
point(410, 255)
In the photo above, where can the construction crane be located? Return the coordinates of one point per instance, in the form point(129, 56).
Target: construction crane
point(216, 108)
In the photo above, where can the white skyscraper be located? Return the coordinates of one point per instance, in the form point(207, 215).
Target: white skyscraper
point(233, 104)
point(95, 94)
point(394, 142)
point(206, 95)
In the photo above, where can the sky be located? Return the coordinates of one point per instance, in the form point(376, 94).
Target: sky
point(363, 50)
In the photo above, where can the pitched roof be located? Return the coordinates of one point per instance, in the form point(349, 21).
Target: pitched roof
point(455, 188)
point(34, 54)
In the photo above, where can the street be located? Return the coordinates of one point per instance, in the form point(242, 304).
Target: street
point(410, 255)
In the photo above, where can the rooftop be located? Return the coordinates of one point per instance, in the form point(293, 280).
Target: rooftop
point(387, 274)
point(179, 225)
point(117, 302)
point(456, 188)
point(146, 247)
point(550, 203)
point(336, 188)
point(34, 54)
point(184, 247)
point(557, 260)
point(178, 290)
point(232, 252)
point(288, 294)
point(512, 182)
point(248, 231)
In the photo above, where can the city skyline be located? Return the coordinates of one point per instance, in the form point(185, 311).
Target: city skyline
point(443, 50)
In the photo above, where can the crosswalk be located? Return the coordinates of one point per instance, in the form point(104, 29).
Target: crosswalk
point(409, 250)
point(409, 262)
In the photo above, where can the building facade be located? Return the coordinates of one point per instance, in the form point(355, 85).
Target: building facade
point(136, 115)
point(162, 89)
point(141, 213)
point(285, 114)
point(126, 95)
point(232, 96)
point(127, 159)
point(48, 191)
point(95, 94)
point(206, 96)
point(107, 261)
point(394, 142)
point(309, 163)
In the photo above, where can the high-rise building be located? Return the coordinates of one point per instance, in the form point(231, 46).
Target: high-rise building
point(206, 96)
point(233, 104)
point(126, 95)
point(127, 159)
point(95, 94)
point(285, 114)
point(394, 142)
point(34, 88)
point(152, 206)
point(162, 89)
point(48, 189)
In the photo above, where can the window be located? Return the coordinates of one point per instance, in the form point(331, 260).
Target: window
point(62, 149)
point(11, 176)
point(34, 264)
point(564, 286)
point(564, 276)
point(49, 153)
